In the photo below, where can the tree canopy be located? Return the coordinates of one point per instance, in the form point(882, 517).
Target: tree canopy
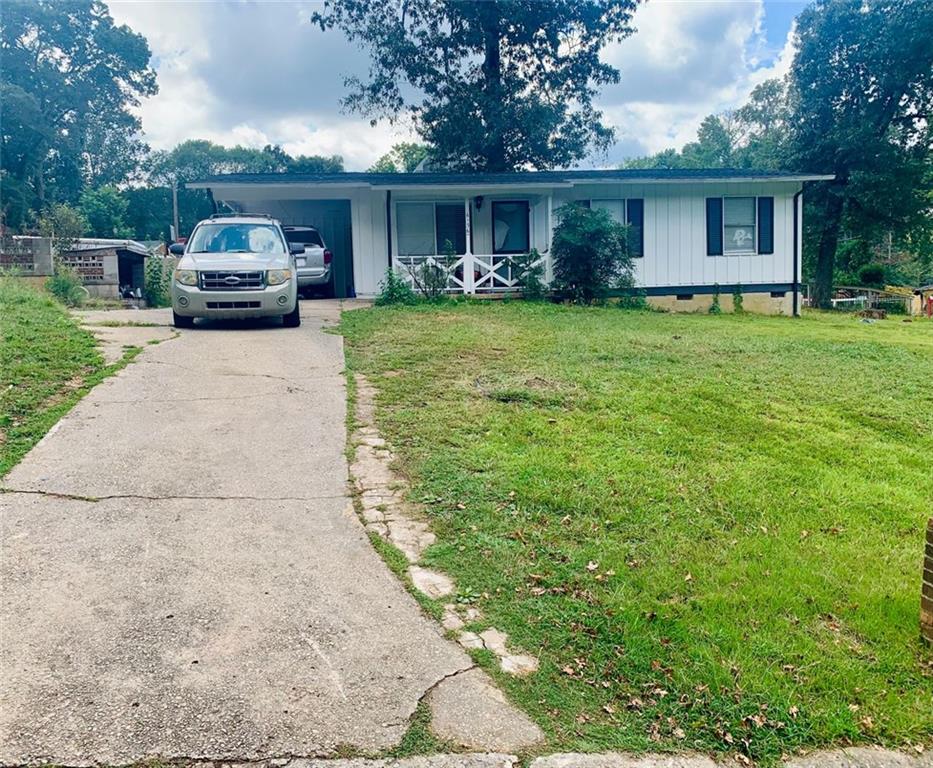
point(862, 97)
point(495, 86)
point(857, 103)
point(404, 157)
point(69, 79)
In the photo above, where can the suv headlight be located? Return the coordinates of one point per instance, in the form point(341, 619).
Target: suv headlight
point(277, 276)
point(186, 276)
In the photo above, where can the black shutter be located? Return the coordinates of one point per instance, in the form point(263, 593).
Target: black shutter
point(714, 226)
point(635, 218)
point(765, 225)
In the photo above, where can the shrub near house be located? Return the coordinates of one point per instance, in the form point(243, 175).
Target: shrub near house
point(591, 255)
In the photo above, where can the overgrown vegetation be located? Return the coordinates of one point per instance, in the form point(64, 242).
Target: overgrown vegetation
point(715, 308)
point(394, 290)
point(738, 300)
point(529, 275)
point(65, 285)
point(46, 363)
point(158, 277)
point(708, 529)
point(591, 255)
point(432, 275)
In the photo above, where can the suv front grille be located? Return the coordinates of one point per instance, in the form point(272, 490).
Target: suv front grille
point(231, 281)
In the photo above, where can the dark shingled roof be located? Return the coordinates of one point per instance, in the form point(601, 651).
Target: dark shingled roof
point(521, 177)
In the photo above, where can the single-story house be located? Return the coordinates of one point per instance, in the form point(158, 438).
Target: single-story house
point(695, 232)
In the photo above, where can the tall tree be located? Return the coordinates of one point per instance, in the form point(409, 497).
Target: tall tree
point(862, 98)
point(404, 157)
point(495, 85)
point(104, 208)
point(754, 136)
point(69, 79)
point(314, 164)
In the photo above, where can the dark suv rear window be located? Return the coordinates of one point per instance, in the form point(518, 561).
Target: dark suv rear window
point(304, 236)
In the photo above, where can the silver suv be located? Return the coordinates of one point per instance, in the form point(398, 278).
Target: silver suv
point(236, 266)
point(314, 265)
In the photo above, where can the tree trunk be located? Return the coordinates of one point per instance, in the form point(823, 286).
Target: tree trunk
point(492, 74)
point(826, 253)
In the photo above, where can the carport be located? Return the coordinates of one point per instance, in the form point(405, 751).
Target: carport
point(332, 216)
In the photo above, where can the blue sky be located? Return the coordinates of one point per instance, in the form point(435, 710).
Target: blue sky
point(253, 73)
point(778, 17)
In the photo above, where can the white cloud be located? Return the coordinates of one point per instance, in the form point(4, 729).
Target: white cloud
point(254, 73)
point(688, 59)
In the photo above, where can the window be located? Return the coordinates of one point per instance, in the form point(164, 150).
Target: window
point(631, 213)
point(450, 225)
point(415, 227)
point(738, 224)
point(304, 235)
point(616, 208)
point(510, 227)
point(236, 238)
point(423, 229)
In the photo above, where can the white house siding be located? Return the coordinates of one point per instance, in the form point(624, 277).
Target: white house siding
point(675, 233)
point(674, 222)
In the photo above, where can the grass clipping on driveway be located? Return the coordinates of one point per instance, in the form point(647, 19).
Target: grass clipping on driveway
point(46, 364)
point(709, 528)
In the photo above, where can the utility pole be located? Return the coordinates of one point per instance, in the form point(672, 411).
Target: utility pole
point(175, 208)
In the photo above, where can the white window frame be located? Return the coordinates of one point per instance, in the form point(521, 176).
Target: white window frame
point(754, 250)
point(433, 204)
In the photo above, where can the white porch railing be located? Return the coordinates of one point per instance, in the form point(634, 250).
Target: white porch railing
point(473, 272)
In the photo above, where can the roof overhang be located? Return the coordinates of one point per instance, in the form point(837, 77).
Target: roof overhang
point(470, 182)
point(723, 180)
point(477, 188)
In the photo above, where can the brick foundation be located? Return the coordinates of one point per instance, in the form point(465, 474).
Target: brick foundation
point(926, 598)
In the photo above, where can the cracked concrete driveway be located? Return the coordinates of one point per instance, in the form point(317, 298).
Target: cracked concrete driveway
point(183, 575)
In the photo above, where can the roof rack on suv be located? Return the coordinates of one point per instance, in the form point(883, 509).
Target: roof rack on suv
point(240, 215)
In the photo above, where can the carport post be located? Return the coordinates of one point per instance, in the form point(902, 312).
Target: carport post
point(468, 286)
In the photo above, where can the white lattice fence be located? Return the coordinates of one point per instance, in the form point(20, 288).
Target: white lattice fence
point(470, 273)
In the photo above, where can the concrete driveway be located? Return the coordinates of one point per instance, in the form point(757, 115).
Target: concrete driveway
point(183, 574)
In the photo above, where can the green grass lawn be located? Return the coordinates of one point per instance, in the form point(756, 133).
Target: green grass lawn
point(708, 528)
point(46, 363)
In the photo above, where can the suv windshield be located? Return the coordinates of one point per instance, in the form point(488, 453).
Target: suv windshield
point(236, 238)
point(304, 236)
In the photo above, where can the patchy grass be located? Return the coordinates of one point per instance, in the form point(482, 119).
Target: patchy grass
point(46, 364)
point(708, 528)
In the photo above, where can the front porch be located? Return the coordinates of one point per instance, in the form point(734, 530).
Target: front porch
point(481, 242)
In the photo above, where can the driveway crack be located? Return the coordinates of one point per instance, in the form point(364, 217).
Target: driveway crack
point(423, 697)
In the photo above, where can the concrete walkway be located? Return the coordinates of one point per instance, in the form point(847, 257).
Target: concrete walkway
point(183, 574)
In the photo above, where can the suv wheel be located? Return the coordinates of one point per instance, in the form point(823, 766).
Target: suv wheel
point(180, 321)
point(293, 318)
